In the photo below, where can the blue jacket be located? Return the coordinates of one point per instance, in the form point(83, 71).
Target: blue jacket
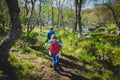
point(50, 33)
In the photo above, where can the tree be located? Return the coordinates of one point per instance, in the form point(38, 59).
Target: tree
point(111, 5)
point(14, 33)
point(75, 27)
point(31, 24)
point(78, 6)
point(79, 17)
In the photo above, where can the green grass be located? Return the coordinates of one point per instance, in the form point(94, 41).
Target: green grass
point(33, 61)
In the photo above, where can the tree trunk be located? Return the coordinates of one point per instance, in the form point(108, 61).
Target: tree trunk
point(26, 8)
point(76, 11)
point(58, 21)
point(13, 35)
point(29, 24)
point(79, 18)
point(52, 15)
point(58, 17)
point(40, 18)
point(15, 31)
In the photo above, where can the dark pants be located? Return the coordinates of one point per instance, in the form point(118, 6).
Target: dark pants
point(46, 40)
point(55, 59)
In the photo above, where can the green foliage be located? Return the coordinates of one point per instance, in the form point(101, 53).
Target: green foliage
point(112, 28)
point(83, 54)
point(84, 50)
point(84, 20)
point(25, 49)
point(103, 51)
point(23, 35)
point(101, 29)
point(90, 48)
point(32, 38)
point(115, 56)
point(112, 39)
point(24, 19)
point(22, 67)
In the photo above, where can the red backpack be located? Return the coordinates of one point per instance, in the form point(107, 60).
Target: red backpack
point(54, 47)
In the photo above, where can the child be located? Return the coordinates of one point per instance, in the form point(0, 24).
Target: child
point(49, 34)
point(54, 50)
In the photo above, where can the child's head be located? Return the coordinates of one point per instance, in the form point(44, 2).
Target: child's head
point(53, 36)
point(51, 28)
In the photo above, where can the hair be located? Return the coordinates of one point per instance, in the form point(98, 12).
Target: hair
point(51, 28)
point(53, 37)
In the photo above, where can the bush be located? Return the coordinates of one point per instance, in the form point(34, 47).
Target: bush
point(23, 35)
point(24, 19)
point(112, 39)
point(103, 51)
point(112, 28)
point(85, 56)
point(115, 56)
point(32, 38)
point(101, 29)
point(90, 48)
point(21, 67)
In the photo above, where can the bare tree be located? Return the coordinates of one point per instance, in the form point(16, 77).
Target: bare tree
point(79, 17)
point(26, 7)
point(59, 5)
point(110, 5)
point(114, 14)
point(52, 12)
point(40, 15)
point(31, 24)
point(78, 6)
point(75, 26)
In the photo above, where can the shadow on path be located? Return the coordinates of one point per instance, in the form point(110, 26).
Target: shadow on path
point(70, 57)
point(67, 68)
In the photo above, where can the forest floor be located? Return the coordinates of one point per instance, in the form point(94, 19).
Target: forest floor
point(34, 63)
point(68, 70)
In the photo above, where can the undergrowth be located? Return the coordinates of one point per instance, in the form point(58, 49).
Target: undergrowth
point(98, 52)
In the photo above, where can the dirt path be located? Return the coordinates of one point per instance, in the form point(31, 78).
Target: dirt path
point(70, 69)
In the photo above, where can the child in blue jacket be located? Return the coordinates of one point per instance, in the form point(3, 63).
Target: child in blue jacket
point(49, 34)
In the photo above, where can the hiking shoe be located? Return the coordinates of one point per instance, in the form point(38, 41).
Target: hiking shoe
point(55, 66)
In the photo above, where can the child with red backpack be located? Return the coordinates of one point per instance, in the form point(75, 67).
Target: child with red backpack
point(54, 50)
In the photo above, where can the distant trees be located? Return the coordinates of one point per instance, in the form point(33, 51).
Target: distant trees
point(109, 13)
point(103, 14)
point(112, 6)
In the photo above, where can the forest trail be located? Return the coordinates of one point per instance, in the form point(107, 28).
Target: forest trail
point(69, 69)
